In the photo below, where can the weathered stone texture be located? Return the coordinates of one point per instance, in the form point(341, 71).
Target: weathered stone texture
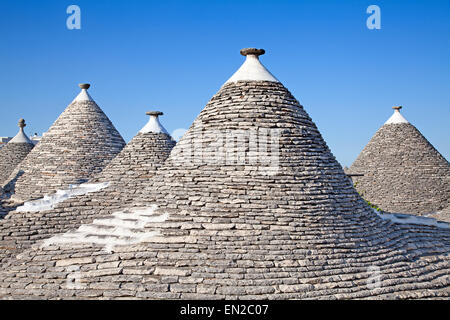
point(443, 215)
point(80, 143)
point(234, 232)
point(138, 162)
point(10, 156)
point(127, 175)
point(403, 172)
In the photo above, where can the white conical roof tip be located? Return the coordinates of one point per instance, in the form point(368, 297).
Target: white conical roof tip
point(252, 69)
point(397, 117)
point(153, 125)
point(21, 137)
point(83, 95)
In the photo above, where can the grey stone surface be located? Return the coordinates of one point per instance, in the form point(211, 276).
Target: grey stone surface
point(127, 174)
point(80, 143)
point(403, 172)
point(12, 154)
point(443, 215)
point(303, 232)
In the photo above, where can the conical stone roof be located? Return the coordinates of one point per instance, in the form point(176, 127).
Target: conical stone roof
point(77, 146)
point(222, 219)
point(140, 159)
point(123, 178)
point(402, 171)
point(14, 152)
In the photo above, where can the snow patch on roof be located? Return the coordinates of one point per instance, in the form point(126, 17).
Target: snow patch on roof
point(396, 118)
point(121, 228)
point(153, 126)
point(412, 219)
point(49, 202)
point(83, 96)
point(252, 69)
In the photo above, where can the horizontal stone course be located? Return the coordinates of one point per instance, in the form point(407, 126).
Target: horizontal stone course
point(11, 155)
point(126, 174)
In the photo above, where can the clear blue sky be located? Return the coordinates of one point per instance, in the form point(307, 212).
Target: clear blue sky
point(174, 55)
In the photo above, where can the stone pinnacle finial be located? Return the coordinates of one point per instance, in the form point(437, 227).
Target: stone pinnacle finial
point(21, 137)
point(154, 113)
point(252, 51)
point(22, 123)
point(84, 85)
point(397, 108)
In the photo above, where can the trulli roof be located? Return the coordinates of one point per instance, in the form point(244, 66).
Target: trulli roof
point(14, 152)
point(80, 143)
point(402, 171)
point(250, 204)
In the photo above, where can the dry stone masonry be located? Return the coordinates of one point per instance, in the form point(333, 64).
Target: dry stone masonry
point(127, 174)
point(443, 215)
point(13, 153)
point(402, 171)
point(77, 146)
point(272, 223)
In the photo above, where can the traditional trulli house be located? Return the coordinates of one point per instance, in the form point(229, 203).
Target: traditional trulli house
point(80, 143)
point(251, 204)
point(123, 180)
point(14, 152)
point(400, 171)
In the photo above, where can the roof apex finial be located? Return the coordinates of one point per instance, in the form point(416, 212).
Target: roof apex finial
point(83, 95)
point(252, 51)
point(154, 113)
point(84, 85)
point(21, 137)
point(396, 117)
point(252, 69)
point(22, 123)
